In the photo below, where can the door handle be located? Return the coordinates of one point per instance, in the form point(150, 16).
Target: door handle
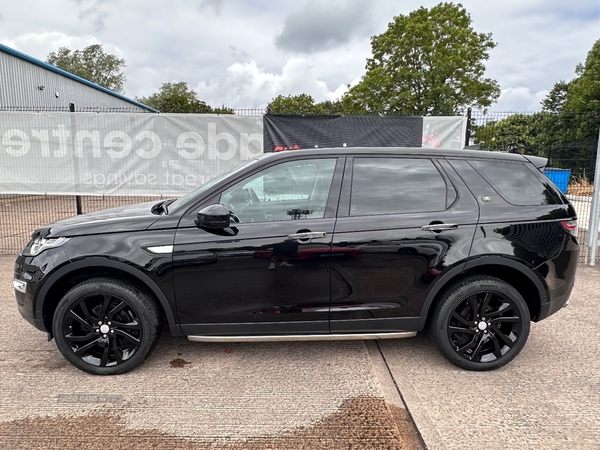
point(306, 236)
point(439, 227)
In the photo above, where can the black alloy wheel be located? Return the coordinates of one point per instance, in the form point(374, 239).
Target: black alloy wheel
point(105, 326)
point(481, 323)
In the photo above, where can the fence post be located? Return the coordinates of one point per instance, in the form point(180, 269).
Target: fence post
point(595, 210)
point(77, 197)
point(468, 130)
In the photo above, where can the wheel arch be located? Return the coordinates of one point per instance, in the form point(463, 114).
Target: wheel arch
point(529, 284)
point(61, 281)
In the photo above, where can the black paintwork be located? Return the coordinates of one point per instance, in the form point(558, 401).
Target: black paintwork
point(368, 274)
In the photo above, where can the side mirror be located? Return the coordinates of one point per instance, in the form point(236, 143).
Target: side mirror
point(213, 216)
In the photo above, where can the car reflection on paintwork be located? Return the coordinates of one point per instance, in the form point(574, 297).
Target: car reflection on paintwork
point(315, 253)
point(433, 251)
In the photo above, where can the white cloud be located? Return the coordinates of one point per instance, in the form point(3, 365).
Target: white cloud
point(520, 99)
point(39, 45)
point(539, 42)
point(248, 85)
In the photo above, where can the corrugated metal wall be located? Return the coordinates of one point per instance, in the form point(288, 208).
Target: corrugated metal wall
point(25, 86)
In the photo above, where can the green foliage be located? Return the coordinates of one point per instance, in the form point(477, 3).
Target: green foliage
point(518, 133)
point(556, 98)
point(566, 131)
point(179, 98)
point(428, 62)
point(583, 98)
point(302, 104)
point(93, 64)
point(584, 91)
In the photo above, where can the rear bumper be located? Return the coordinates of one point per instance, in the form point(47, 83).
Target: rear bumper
point(560, 278)
point(557, 303)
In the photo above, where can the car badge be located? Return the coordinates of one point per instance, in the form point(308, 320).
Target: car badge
point(486, 198)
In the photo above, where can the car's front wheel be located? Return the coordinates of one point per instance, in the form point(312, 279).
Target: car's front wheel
point(105, 326)
point(480, 323)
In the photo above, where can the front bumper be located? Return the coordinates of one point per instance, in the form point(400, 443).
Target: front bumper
point(30, 274)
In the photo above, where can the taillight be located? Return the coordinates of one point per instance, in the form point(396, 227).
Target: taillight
point(570, 226)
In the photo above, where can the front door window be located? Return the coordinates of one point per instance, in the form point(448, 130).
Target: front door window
point(289, 191)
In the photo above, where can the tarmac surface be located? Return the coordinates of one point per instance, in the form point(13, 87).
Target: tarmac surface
point(307, 395)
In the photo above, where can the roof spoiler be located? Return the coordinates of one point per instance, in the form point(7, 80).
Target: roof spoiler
point(537, 161)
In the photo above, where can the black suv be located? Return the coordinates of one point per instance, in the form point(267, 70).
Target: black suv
point(363, 243)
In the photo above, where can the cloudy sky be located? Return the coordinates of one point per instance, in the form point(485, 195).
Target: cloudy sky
point(242, 53)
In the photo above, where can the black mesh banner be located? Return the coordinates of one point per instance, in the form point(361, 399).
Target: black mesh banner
point(283, 132)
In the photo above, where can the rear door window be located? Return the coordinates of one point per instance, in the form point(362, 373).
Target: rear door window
point(395, 186)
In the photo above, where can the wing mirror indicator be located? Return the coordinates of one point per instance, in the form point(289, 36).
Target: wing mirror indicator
point(213, 216)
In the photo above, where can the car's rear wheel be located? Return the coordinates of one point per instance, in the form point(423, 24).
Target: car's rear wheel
point(105, 326)
point(480, 323)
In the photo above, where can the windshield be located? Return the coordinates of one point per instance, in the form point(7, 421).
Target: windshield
point(201, 189)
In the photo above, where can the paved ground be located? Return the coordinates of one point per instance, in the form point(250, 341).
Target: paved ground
point(547, 398)
point(326, 395)
point(320, 395)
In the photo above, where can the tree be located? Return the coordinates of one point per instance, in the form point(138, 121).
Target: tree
point(428, 62)
point(179, 98)
point(556, 98)
point(93, 64)
point(565, 131)
point(517, 133)
point(581, 108)
point(584, 91)
point(302, 104)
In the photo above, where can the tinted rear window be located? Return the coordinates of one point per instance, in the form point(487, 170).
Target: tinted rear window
point(515, 182)
point(396, 185)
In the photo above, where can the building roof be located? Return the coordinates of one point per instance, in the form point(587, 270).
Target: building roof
point(50, 67)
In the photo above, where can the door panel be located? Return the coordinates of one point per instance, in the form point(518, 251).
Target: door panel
point(265, 274)
point(241, 279)
point(395, 261)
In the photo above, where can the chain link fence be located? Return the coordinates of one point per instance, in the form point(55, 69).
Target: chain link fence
point(20, 215)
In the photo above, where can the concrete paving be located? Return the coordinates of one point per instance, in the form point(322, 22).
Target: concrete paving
point(547, 398)
point(310, 395)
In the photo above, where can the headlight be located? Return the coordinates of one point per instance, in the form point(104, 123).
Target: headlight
point(40, 244)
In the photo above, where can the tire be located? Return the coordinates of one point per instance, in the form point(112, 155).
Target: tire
point(105, 326)
point(480, 323)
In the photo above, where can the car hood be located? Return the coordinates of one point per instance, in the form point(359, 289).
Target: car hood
point(136, 217)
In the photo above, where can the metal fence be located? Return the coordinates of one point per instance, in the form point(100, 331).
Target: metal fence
point(22, 214)
point(249, 111)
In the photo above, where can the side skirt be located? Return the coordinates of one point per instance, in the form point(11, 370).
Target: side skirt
point(304, 337)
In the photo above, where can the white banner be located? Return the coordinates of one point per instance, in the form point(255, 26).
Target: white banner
point(444, 132)
point(141, 154)
point(121, 154)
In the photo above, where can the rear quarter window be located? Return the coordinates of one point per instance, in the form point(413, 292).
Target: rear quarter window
point(515, 183)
